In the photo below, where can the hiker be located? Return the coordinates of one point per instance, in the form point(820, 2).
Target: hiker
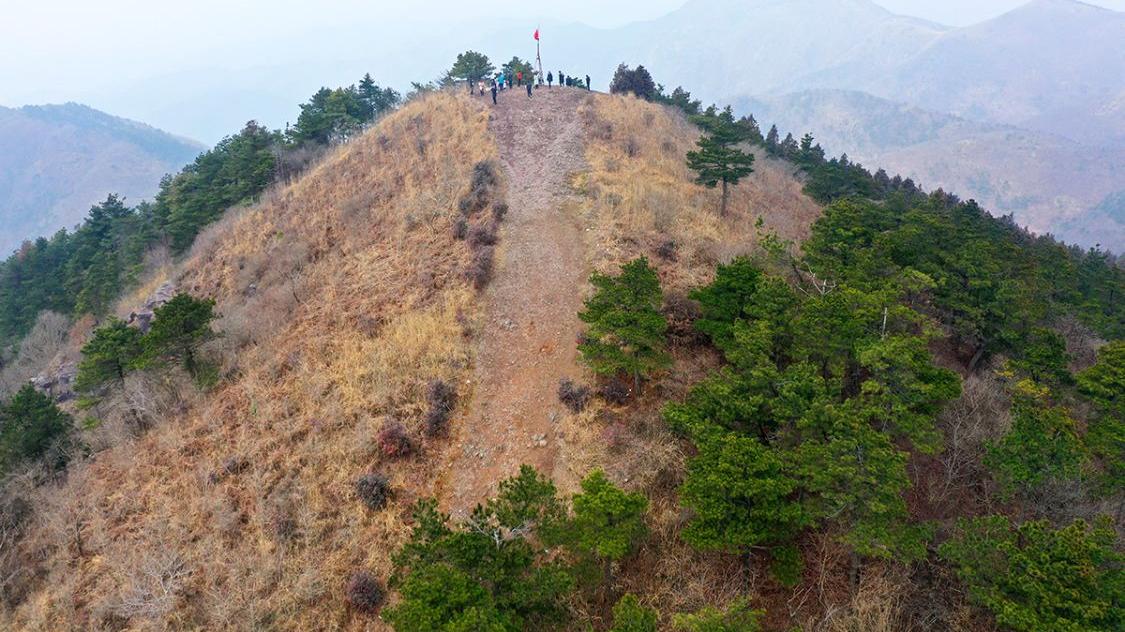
point(529, 89)
point(493, 93)
point(587, 82)
point(562, 79)
point(470, 82)
point(550, 78)
point(519, 78)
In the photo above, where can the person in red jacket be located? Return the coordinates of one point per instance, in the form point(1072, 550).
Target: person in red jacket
point(519, 78)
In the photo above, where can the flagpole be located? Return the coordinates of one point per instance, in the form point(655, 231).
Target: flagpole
point(538, 58)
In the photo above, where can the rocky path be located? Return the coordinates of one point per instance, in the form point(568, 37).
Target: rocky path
point(527, 341)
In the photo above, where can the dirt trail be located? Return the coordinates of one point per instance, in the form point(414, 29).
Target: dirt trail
point(527, 340)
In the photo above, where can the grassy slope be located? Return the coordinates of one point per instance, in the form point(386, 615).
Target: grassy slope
point(341, 295)
point(358, 291)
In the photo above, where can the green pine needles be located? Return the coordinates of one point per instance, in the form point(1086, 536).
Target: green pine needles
point(717, 158)
point(626, 334)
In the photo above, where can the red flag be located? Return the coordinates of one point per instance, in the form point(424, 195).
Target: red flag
point(537, 35)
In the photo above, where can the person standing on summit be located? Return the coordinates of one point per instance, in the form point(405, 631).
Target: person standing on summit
point(493, 93)
point(550, 78)
point(587, 82)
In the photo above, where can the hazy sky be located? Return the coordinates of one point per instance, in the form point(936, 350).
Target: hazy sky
point(102, 52)
point(136, 38)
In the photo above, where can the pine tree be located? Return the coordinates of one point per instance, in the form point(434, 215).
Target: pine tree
point(489, 573)
point(716, 162)
point(1042, 444)
point(471, 66)
point(607, 522)
point(626, 332)
point(752, 131)
point(742, 495)
point(1104, 384)
point(376, 100)
point(789, 147)
point(638, 82)
point(1033, 577)
point(178, 328)
point(30, 424)
point(773, 145)
point(108, 356)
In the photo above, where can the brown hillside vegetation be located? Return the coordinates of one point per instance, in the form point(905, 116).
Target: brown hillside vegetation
point(343, 297)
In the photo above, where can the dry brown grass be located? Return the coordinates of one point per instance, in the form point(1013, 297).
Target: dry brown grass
point(640, 193)
point(342, 298)
point(637, 195)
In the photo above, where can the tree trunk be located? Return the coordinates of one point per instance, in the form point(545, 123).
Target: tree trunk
point(726, 196)
point(977, 357)
point(746, 574)
point(853, 571)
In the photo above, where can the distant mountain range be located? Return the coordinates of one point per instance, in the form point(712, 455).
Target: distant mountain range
point(1054, 66)
point(1052, 184)
point(58, 160)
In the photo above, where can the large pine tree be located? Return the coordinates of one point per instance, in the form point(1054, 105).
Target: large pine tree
point(716, 161)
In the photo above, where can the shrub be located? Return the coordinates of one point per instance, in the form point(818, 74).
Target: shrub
point(574, 396)
point(393, 440)
point(281, 520)
point(374, 490)
point(667, 250)
point(615, 392)
point(364, 592)
point(499, 211)
point(681, 313)
point(484, 175)
point(441, 397)
point(479, 272)
point(482, 235)
point(460, 228)
point(235, 465)
point(482, 183)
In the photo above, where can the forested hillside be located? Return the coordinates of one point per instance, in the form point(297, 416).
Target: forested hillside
point(85, 270)
point(801, 394)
